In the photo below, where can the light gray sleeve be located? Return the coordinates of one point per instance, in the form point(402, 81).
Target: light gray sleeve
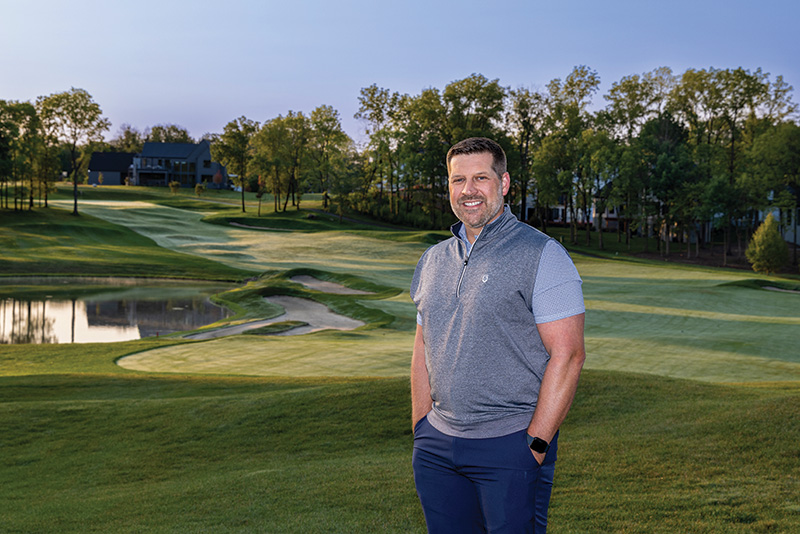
point(557, 290)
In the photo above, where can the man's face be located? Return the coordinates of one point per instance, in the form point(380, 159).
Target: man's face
point(476, 192)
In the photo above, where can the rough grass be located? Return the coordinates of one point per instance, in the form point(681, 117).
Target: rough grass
point(105, 454)
point(133, 453)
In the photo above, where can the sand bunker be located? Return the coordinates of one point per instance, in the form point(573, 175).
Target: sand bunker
point(318, 316)
point(327, 287)
point(770, 288)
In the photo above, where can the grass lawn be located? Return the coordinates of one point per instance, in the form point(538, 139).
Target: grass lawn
point(131, 453)
point(53, 241)
point(685, 420)
point(366, 254)
point(648, 317)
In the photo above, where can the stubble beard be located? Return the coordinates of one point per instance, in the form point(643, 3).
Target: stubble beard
point(480, 219)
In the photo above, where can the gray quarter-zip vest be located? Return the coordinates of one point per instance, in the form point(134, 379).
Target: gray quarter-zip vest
point(483, 352)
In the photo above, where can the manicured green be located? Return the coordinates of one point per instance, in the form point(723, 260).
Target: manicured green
point(365, 254)
point(53, 241)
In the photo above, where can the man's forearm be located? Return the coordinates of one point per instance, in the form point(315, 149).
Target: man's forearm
point(564, 342)
point(556, 395)
point(420, 386)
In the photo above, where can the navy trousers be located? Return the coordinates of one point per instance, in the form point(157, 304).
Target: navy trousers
point(491, 485)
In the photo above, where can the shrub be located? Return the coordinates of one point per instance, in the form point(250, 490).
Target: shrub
point(767, 251)
point(174, 187)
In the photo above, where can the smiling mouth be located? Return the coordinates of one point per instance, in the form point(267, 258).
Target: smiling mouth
point(471, 203)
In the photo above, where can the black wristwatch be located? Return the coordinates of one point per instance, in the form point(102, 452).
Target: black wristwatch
point(538, 445)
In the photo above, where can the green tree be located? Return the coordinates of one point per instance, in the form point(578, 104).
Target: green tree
point(559, 158)
point(23, 137)
point(281, 157)
point(327, 148)
point(379, 109)
point(526, 111)
point(635, 99)
point(630, 191)
point(719, 108)
point(670, 172)
point(77, 120)
point(234, 149)
point(268, 159)
point(423, 144)
point(775, 170)
point(632, 101)
point(474, 108)
point(767, 251)
point(8, 134)
point(598, 166)
point(167, 133)
point(128, 139)
point(295, 149)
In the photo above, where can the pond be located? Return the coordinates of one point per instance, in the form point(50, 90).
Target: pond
point(47, 310)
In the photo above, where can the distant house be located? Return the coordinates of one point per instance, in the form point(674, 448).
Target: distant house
point(110, 168)
point(186, 163)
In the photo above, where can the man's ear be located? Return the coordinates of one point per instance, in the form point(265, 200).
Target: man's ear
point(506, 180)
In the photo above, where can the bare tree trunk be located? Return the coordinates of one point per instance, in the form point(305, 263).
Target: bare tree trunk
point(725, 234)
point(794, 217)
point(600, 230)
point(588, 227)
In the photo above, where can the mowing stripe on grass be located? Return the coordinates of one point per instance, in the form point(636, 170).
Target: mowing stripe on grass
point(605, 305)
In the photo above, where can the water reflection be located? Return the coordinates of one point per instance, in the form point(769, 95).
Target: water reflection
point(104, 319)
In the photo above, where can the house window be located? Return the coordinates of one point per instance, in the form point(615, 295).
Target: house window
point(206, 164)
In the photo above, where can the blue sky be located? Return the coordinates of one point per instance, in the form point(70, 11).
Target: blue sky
point(200, 64)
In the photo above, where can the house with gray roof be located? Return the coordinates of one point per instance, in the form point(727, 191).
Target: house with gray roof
point(110, 168)
point(186, 163)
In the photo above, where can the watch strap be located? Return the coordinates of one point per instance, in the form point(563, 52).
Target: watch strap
point(537, 444)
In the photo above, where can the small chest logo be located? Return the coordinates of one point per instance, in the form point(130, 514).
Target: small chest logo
point(485, 278)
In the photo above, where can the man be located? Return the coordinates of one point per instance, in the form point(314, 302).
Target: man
point(497, 357)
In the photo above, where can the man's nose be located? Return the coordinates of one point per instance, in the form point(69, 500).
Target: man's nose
point(469, 187)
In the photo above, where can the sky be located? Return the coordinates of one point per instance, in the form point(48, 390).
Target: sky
point(200, 63)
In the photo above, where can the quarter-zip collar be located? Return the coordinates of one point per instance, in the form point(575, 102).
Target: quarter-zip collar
point(487, 233)
point(489, 229)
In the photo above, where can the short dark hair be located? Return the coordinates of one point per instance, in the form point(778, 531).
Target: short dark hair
point(480, 145)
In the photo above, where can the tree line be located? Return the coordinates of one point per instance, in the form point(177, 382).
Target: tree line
point(670, 156)
point(54, 137)
point(683, 157)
